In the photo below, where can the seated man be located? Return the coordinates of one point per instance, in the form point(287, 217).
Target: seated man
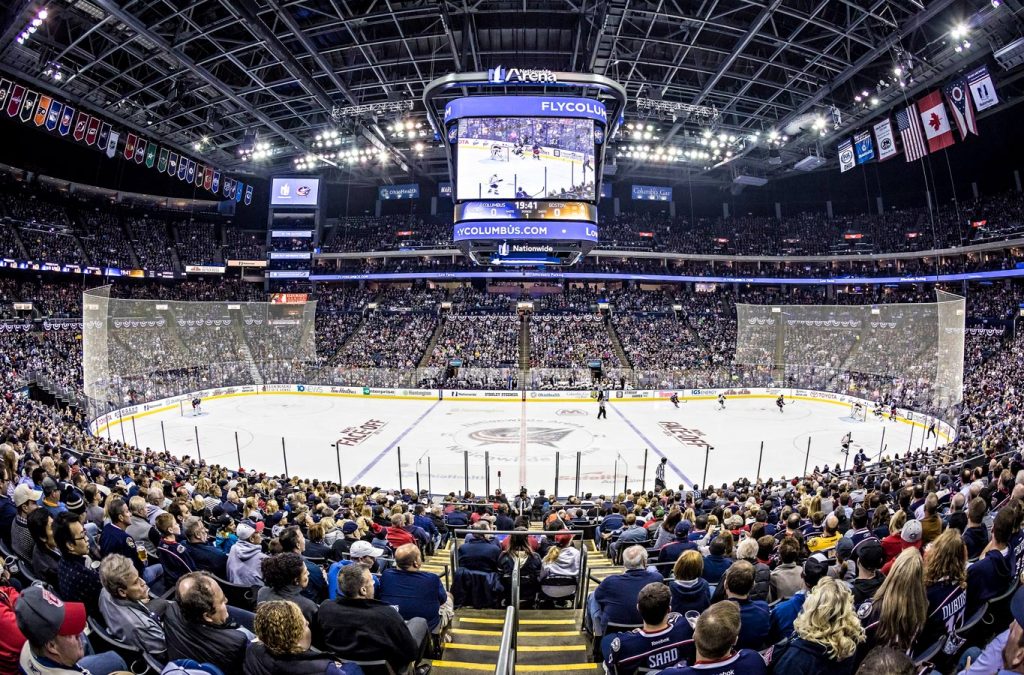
point(173, 554)
point(76, 578)
point(362, 553)
point(45, 556)
point(206, 556)
point(415, 593)
point(614, 601)
point(714, 636)
point(828, 539)
point(197, 625)
point(671, 551)
point(716, 563)
point(359, 628)
point(755, 616)
point(479, 554)
point(126, 607)
point(665, 640)
point(54, 639)
point(992, 573)
point(630, 534)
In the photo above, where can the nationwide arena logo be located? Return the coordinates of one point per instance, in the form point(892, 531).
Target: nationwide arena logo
point(499, 75)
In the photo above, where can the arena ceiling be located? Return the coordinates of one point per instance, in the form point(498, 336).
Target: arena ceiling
point(206, 72)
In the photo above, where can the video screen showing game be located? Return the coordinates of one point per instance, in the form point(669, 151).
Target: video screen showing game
point(525, 158)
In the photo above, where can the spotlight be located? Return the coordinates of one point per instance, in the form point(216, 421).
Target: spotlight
point(43, 13)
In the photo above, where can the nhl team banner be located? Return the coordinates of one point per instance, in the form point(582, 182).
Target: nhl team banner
point(172, 164)
point(151, 155)
point(960, 105)
point(92, 131)
point(982, 90)
point(129, 146)
point(66, 120)
point(81, 125)
point(182, 168)
point(190, 176)
point(238, 192)
point(216, 182)
point(41, 110)
point(5, 90)
point(28, 108)
point(199, 175)
point(208, 178)
point(112, 143)
point(248, 195)
point(846, 158)
point(14, 105)
point(884, 139)
point(863, 147)
point(161, 164)
point(104, 137)
point(53, 115)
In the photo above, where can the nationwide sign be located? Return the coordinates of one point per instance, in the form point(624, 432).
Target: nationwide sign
point(501, 75)
point(525, 106)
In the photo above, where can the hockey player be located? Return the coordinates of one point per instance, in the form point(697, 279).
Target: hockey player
point(602, 412)
point(931, 430)
point(493, 184)
point(675, 399)
point(495, 151)
point(536, 152)
point(197, 406)
point(721, 401)
point(780, 402)
point(517, 150)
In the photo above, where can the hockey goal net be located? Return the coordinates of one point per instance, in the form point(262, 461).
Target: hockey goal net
point(858, 412)
point(500, 153)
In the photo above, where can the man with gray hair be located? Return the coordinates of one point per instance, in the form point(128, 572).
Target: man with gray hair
point(614, 600)
point(129, 613)
point(140, 525)
point(155, 503)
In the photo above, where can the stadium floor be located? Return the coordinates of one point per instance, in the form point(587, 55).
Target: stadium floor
point(521, 439)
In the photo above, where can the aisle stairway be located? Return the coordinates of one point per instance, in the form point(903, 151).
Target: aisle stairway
point(550, 640)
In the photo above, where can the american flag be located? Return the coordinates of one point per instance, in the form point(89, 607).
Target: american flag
point(910, 131)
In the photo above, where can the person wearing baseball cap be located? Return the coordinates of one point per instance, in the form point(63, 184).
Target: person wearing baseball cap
point(341, 546)
point(246, 556)
point(784, 614)
point(55, 644)
point(26, 500)
point(361, 553)
point(869, 557)
point(671, 551)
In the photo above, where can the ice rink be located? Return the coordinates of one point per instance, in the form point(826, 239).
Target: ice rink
point(522, 439)
point(476, 166)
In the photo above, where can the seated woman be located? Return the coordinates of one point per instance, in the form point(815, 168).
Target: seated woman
point(690, 591)
point(560, 569)
point(284, 644)
point(285, 575)
point(519, 550)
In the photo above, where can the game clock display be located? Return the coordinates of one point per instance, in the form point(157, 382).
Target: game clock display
point(525, 210)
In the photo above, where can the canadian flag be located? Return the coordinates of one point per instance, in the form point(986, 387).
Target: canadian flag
point(935, 122)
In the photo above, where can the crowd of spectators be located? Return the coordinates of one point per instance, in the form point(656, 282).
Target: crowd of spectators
point(197, 242)
point(485, 341)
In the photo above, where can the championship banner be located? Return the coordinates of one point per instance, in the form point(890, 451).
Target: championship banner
point(151, 155)
point(982, 90)
point(935, 122)
point(14, 105)
point(41, 110)
point(248, 195)
point(53, 115)
point(129, 146)
point(161, 164)
point(182, 168)
point(92, 131)
point(216, 182)
point(172, 164)
point(140, 150)
point(199, 176)
point(960, 104)
point(28, 106)
point(846, 158)
point(884, 140)
point(66, 119)
point(863, 147)
point(112, 143)
point(81, 125)
point(208, 178)
point(5, 89)
point(229, 188)
point(238, 192)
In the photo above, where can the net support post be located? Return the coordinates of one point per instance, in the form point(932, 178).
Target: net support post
point(163, 435)
point(881, 444)
point(337, 456)
point(558, 456)
point(400, 488)
point(135, 432)
point(238, 451)
point(578, 457)
point(807, 457)
point(199, 452)
point(465, 462)
point(284, 454)
point(643, 481)
point(487, 472)
point(760, 454)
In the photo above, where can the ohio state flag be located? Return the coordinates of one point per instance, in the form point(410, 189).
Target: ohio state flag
point(963, 110)
point(935, 122)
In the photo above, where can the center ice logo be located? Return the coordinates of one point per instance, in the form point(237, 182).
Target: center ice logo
point(506, 433)
point(539, 435)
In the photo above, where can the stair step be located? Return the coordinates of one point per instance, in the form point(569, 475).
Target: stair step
point(520, 668)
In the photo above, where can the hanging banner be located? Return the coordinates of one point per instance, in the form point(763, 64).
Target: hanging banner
point(216, 182)
point(172, 164)
point(104, 137)
point(182, 167)
point(129, 146)
point(112, 143)
point(846, 158)
point(41, 110)
point(28, 106)
point(863, 147)
point(961, 107)
point(81, 125)
point(92, 131)
point(161, 164)
point(190, 175)
point(151, 155)
point(53, 115)
point(140, 150)
point(14, 105)
point(248, 195)
point(238, 192)
point(208, 178)
point(66, 120)
point(884, 139)
point(982, 90)
point(5, 90)
point(199, 176)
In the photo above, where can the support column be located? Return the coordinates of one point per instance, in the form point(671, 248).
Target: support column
point(433, 206)
point(615, 205)
point(778, 210)
point(376, 208)
point(672, 209)
point(828, 208)
point(725, 209)
point(880, 205)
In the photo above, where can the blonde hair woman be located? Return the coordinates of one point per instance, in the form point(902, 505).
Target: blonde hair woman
point(826, 632)
point(900, 606)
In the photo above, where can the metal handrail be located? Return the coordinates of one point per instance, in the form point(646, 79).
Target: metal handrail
point(509, 632)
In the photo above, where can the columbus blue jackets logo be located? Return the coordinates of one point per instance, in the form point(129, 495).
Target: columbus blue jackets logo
point(540, 435)
point(303, 190)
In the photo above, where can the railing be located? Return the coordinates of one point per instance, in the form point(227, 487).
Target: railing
point(509, 632)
